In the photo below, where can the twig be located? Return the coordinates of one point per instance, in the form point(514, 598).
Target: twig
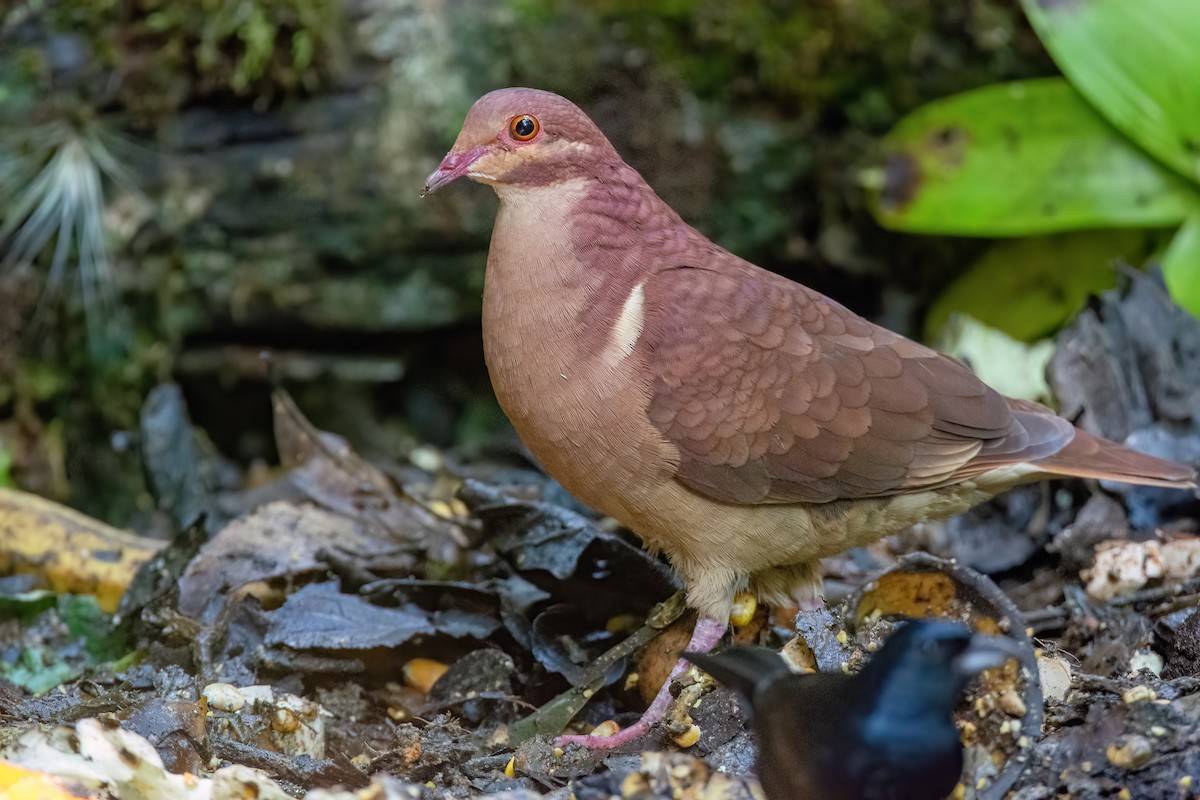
point(551, 718)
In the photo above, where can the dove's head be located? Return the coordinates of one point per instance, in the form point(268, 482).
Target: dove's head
point(523, 137)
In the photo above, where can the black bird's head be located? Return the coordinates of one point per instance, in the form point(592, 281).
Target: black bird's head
point(925, 665)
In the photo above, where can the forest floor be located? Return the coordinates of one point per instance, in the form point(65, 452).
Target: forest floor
point(345, 629)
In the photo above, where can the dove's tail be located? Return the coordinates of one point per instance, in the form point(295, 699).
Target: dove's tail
point(1088, 456)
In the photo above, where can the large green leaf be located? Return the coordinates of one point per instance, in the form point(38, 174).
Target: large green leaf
point(1028, 287)
point(1138, 62)
point(1016, 159)
point(1181, 265)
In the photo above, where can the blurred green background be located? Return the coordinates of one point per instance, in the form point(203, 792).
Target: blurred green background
point(185, 187)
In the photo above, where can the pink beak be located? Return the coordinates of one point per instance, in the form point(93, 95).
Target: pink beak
point(453, 166)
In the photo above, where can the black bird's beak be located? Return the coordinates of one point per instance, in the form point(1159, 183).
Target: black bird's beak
point(986, 652)
point(745, 669)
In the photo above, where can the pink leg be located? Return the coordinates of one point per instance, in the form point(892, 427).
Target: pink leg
point(705, 636)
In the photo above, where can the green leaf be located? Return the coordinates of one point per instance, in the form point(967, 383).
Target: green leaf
point(1138, 62)
point(1181, 265)
point(39, 670)
point(25, 606)
point(6, 479)
point(1028, 287)
point(60, 638)
point(1016, 159)
point(103, 639)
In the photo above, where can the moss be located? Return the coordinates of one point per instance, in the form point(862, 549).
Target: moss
point(6, 480)
point(167, 53)
point(262, 49)
point(795, 93)
point(812, 53)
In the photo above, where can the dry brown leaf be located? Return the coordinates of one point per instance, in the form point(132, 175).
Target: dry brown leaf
point(277, 540)
point(326, 469)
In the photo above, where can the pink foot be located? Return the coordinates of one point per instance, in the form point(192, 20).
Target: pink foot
point(705, 636)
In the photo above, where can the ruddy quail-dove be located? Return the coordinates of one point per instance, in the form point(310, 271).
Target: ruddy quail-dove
point(739, 422)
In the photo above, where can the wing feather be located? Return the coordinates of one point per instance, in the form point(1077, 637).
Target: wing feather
point(776, 394)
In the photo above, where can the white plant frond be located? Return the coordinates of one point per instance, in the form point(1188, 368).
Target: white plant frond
point(54, 191)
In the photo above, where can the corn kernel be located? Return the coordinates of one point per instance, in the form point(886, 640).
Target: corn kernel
point(606, 728)
point(422, 673)
point(744, 606)
point(688, 737)
point(1138, 694)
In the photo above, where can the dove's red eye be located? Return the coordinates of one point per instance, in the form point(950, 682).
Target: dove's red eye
point(524, 127)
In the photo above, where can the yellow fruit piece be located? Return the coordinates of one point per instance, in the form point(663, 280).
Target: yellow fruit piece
point(744, 606)
point(72, 552)
point(422, 673)
point(18, 783)
point(441, 508)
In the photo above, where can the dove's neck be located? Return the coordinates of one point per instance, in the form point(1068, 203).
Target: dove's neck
point(533, 292)
point(567, 269)
point(561, 330)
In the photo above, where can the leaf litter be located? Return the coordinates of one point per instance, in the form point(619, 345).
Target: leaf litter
point(355, 630)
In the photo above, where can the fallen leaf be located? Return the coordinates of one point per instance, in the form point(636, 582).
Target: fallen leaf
point(321, 616)
point(568, 555)
point(326, 469)
point(275, 541)
point(72, 552)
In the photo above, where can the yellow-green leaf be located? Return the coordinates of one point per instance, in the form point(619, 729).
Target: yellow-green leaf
point(1028, 287)
point(1181, 265)
point(1137, 62)
point(1017, 159)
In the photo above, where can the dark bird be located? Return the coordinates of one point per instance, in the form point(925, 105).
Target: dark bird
point(739, 422)
point(886, 733)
